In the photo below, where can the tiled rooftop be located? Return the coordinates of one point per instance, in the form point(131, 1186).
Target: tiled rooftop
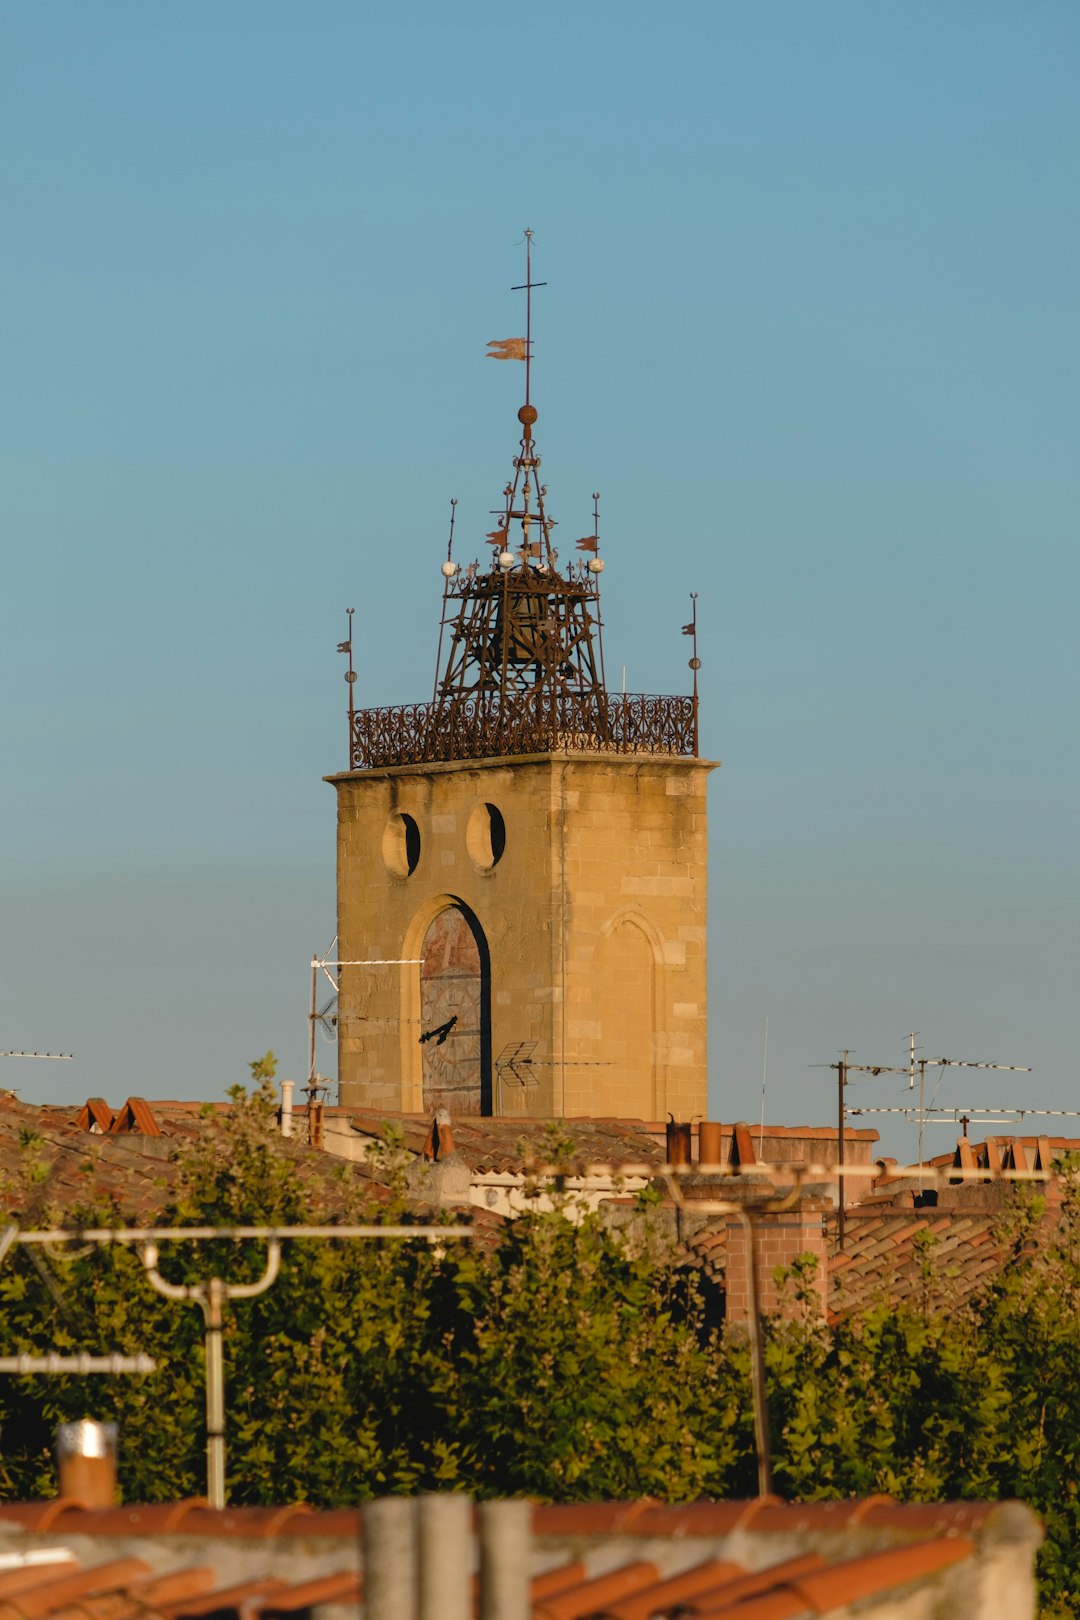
point(757, 1560)
point(511, 1146)
point(128, 1159)
point(941, 1256)
point(129, 1589)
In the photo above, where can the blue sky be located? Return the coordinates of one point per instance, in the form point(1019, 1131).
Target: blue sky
point(811, 330)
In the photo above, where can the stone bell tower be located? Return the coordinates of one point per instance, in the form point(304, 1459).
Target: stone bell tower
point(522, 861)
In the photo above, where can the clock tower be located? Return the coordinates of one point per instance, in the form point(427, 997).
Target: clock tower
point(522, 860)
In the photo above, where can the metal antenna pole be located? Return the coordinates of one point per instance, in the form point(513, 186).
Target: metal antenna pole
point(843, 1069)
point(448, 578)
point(312, 1015)
point(922, 1115)
point(695, 662)
point(211, 1297)
point(841, 1222)
point(350, 675)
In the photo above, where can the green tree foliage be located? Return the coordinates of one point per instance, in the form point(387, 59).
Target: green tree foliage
point(560, 1361)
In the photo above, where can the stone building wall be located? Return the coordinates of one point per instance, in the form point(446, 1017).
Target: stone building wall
point(584, 877)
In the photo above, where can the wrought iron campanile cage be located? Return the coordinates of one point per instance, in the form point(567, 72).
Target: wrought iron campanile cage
point(523, 671)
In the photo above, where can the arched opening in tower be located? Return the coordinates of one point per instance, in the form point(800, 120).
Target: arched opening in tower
point(455, 1014)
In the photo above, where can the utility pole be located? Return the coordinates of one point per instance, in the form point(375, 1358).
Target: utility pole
point(841, 1078)
point(843, 1069)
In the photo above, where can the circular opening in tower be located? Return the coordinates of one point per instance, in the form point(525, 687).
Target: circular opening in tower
point(485, 836)
point(401, 845)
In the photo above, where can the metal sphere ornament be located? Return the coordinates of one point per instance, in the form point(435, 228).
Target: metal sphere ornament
point(695, 663)
point(449, 569)
point(596, 565)
point(506, 560)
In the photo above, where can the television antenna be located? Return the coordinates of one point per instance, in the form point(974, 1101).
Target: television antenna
point(323, 1020)
point(63, 1057)
point(921, 1111)
point(943, 1064)
point(844, 1067)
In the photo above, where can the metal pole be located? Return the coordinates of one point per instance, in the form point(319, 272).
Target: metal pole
point(841, 1223)
point(312, 1015)
point(215, 1395)
point(757, 1363)
point(350, 676)
point(922, 1115)
point(211, 1297)
point(695, 665)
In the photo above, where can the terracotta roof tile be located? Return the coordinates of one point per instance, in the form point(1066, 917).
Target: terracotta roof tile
point(882, 1259)
point(343, 1587)
point(140, 1597)
point(779, 1605)
point(13, 1581)
point(877, 1572)
point(237, 1597)
point(718, 1599)
point(187, 1518)
point(676, 1591)
point(597, 1595)
point(38, 1516)
point(926, 1540)
point(557, 1580)
point(59, 1591)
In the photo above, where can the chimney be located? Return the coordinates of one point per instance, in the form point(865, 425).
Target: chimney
point(286, 1107)
point(86, 1462)
point(680, 1150)
point(444, 1136)
point(710, 1145)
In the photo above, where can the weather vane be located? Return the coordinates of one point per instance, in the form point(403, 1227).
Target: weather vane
point(521, 348)
point(350, 674)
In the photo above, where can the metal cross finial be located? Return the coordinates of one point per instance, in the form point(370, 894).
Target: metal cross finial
point(526, 287)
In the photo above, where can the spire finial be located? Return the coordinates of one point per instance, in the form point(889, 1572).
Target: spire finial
point(527, 414)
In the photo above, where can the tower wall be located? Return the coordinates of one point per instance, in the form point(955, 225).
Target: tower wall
point(593, 917)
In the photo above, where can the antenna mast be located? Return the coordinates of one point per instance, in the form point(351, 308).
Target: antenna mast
point(350, 675)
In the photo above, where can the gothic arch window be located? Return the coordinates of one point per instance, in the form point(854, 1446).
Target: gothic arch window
point(455, 1013)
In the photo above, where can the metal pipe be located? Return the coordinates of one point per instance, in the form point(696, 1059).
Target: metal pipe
point(215, 1395)
point(211, 1297)
point(757, 1361)
point(389, 1540)
point(238, 1234)
point(444, 1524)
point(841, 1074)
point(505, 1559)
point(61, 1366)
